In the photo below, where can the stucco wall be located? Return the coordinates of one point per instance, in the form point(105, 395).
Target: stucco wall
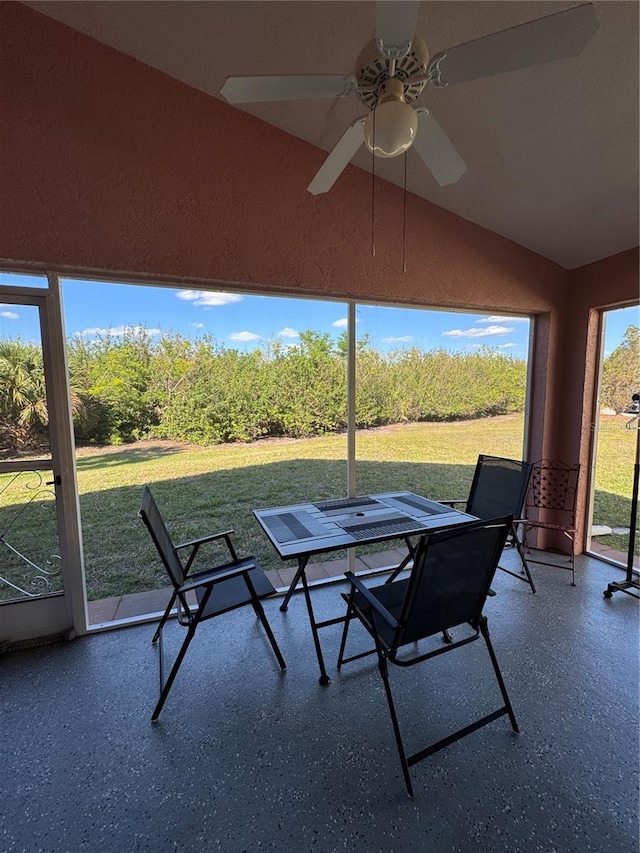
point(106, 164)
point(612, 282)
point(110, 164)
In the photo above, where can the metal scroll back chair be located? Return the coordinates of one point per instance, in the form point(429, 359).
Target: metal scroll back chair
point(499, 488)
point(551, 506)
point(447, 588)
point(216, 590)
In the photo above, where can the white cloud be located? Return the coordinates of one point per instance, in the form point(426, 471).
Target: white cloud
point(495, 346)
point(10, 315)
point(342, 322)
point(288, 332)
point(197, 325)
point(497, 319)
point(89, 333)
point(117, 331)
point(404, 339)
point(208, 298)
point(489, 332)
point(244, 337)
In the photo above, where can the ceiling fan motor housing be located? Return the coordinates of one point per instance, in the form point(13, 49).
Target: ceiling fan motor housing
point(372, 70)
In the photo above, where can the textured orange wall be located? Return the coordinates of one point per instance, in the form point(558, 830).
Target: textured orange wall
point(106, 164)
point(109, 164)
point(612, 282)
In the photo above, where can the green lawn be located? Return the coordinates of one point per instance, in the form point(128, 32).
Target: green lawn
point(614, 478)
point(200, 489)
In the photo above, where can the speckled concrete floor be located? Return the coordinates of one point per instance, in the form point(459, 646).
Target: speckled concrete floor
point(245, 758)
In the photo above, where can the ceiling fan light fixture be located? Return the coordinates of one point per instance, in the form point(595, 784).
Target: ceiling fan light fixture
point(391, 128)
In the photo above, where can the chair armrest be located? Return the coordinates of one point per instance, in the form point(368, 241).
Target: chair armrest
point(215, 576)
point(452, 502)
point(196, 543)
point(372, 601)
point(204, 539)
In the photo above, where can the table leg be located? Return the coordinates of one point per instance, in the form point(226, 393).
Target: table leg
point(324, 678)
point(404, 563)
point(302, 562)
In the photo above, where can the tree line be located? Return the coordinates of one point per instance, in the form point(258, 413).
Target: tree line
point(137, 386)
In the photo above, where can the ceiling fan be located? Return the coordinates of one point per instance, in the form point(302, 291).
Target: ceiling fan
point(392, 72)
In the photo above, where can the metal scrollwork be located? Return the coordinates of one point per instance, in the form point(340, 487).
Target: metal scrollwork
point(435, 72)
point(41, 496)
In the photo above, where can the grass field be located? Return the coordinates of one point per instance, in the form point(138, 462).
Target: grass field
point(201, 489)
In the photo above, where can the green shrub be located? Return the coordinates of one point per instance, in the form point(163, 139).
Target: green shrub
point(135, 385)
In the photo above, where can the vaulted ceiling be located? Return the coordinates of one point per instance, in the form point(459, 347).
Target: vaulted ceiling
point(552, 151)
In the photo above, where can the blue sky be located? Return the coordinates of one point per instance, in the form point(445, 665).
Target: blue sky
point(246, 322)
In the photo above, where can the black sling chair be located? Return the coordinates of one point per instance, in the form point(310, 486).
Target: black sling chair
point(499, 487)
point(217, 590)
point(447, 588)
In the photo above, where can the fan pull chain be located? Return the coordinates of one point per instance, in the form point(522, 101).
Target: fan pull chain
point(373, 189)
point(404, 218)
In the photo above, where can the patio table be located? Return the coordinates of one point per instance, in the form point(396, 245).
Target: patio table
point(301, 530)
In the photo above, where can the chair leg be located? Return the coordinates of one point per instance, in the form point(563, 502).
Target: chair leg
point(347, 619)
point(384, 672)
point(484, 630)
point(525, 565)
point(259, 610)
point(174, 671)
point(165, 616)
point(521, 552)
point(572, 558)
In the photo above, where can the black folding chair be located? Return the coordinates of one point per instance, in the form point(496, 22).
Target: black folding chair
point(447, 588)
point(216, 590)
point(499, 488)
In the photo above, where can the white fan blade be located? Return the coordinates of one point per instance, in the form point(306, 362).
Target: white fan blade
point(396, 24)
point(437, 151)
point(246, 90)
point(557, 36)
point(337, 161)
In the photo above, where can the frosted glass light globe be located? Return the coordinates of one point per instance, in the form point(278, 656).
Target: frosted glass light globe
point(396, 125)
